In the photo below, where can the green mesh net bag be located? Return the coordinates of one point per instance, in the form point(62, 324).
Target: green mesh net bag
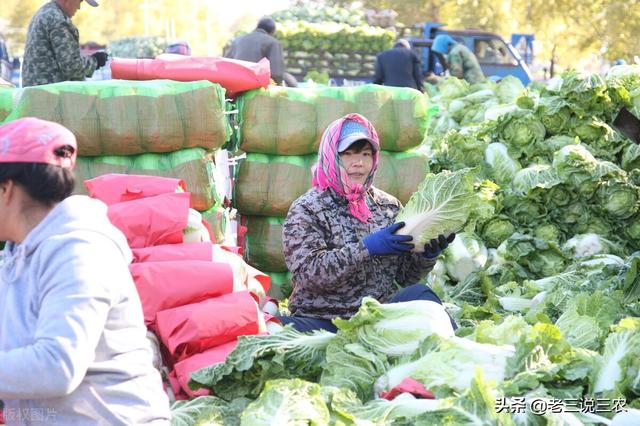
point(193, 165)
point(119, 117)
point(263, 243)
point(290, 121)
point(6, 102)
point(267, 185)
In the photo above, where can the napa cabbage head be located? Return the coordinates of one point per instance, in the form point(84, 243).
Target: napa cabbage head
point(534, 176)
point(587, 245)
point(396, 329)
point(619, 199)
point(617, 368)
point(547, 232)
point(465, 255)
point(502, 167)
point(521, 129)
point(496, 230)
point(441, 206)
point(555, 114)
point(509, 89)
point(451, 364)
point(575, 164)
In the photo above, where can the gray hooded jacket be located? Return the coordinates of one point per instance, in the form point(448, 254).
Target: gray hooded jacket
point(72, 336)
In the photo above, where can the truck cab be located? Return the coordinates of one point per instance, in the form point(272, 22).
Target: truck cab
point(496, 57)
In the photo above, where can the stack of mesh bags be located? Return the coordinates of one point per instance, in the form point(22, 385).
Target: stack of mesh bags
point(280, 130)
point(160, 127)
point(7, 95)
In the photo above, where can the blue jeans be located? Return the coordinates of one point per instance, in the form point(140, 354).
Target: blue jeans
point(413, 292)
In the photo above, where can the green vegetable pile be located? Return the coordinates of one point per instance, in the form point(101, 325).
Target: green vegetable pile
point(335, 48)
point(333, 37)
point(543, 279)
point(317, 13)
point(138, 47)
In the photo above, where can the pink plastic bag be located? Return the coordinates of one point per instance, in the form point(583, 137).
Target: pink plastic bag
point(411, 386)
point(166, 285)
point(234, 75)
point(152, 221)
point(172, 252)
point(183, 369)
point(115, 188)
point(191, 329)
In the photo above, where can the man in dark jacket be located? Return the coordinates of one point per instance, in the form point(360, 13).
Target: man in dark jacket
point(398, 67)
point(260, 44)
point(52, 53)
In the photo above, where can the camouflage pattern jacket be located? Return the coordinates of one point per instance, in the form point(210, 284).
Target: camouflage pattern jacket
point(464, 64)
point(332, 270)
point(52, 53)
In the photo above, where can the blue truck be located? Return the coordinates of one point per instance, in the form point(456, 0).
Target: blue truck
point(496, 57)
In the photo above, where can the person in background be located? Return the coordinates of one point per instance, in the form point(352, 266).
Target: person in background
point(460, 61)
point(179, 48)
point(340, 240)
point(52, 53)
point(72, 336)
point(399, 67)
point(258, 44)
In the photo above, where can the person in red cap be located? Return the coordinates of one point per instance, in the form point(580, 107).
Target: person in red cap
point(72, 334)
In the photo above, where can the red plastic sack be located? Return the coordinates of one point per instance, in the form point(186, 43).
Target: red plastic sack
point(178, 393)
point(173, 252)
point(411, 386)
point(191, 329)
point(115, 188)
point(183, 369)
point(152, 221)
point(165, 285)
point(232, 74)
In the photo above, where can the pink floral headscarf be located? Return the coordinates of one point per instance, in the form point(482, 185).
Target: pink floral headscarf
point(327, 173)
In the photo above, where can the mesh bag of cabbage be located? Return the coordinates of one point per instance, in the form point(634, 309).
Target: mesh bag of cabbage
point(290, 121)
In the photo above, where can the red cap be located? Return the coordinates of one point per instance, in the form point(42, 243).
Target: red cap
point(31, 140)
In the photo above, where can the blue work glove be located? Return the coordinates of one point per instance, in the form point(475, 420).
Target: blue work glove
point(436, 246)
point(385, 242)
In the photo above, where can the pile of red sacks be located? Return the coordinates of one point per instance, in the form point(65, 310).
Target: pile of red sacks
point(197, 297)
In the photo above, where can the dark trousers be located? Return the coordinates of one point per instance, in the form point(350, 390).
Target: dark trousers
point(414, 292)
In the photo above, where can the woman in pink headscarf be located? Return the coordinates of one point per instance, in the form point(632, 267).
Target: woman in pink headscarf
point(339, 237)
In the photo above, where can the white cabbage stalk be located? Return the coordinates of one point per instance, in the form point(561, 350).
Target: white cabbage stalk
point(453, 364)
point(576, 151)
point(585, 245)
point(497, 111)
point(195, 232)
point(515, 304)
point(534, 176)
point(538, 299)
point(464, 256)
point(437, 278)
point(237, 264)
point(440, 206)
point(600, 261)
point(273, 327)
point(608, 370)
point(503, 167)
point(493, 258)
